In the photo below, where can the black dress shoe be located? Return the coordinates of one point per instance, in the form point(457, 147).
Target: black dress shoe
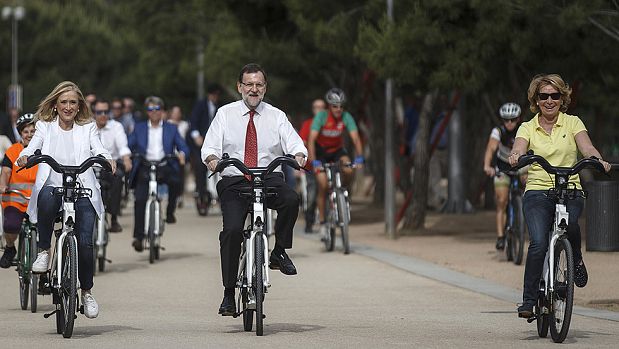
point(137, 245)
point(282, 262)
point(525, 311)
point(227, 307)
point(170, 219)
point(7, 257)
point(116, 228)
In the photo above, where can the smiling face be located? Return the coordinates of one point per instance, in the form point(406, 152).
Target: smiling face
point(155, 113)
point(26, 134)
point(102, 112)
point(549, 107)
point(67, 106)
point(252, 89)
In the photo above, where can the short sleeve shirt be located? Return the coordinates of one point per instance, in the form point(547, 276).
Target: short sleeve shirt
point(559, 148)
point(331, 129)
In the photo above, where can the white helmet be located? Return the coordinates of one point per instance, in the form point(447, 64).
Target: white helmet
point(335, 96)
point(509, 111)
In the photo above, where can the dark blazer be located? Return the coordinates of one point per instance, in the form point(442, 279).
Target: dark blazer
point(200, 119)
point(138, 142)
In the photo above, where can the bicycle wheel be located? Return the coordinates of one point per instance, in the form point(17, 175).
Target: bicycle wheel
point(151, 233)
point(68, 285)
point(343, 217)
point(23, 272)
point(517, 231)
point(101, 259)
point(329, 239)
point(562, 297)
point(542, 319)
point(248, 314)
point(34, 279)
point(258, 281)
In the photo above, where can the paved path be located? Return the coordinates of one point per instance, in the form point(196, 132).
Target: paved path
point(336, 301)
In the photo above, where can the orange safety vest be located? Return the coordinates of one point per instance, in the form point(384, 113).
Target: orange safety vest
point(22, 181)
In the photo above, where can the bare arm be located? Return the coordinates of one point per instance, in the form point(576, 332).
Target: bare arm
point(311, 144)
point(520, 148)
point(586, 148)
point(493, 144)
point(356, 141)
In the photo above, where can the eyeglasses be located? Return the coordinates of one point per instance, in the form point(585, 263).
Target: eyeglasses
point(333, 106)
point(116, 107)
point(544, 96)
point(258, 85)
point(508, 121)
point(101, 112)
point(153, 108)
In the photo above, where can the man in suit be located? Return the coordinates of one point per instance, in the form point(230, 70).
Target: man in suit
point(201, 117)
point(154, 139)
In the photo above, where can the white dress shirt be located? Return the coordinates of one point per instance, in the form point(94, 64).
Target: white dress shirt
point(275, 134)
point(154, 148)
point(114, 139)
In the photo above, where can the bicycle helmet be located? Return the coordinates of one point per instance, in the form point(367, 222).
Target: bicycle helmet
point(24, 121)
point(509, 111)
point(335, 96)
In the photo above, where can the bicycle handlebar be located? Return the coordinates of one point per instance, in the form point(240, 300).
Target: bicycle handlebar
point(64, 169)
point(227, 161)
point(530, 158)
point(144, 161)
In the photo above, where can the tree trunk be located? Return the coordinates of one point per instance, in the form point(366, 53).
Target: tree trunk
point(416, 212)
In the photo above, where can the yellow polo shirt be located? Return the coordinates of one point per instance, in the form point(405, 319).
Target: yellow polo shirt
point(559, 148)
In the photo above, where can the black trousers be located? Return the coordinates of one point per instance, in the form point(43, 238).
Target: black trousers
point(111, 188)
point(167, 175)
point(234, 209)
point(199, 172)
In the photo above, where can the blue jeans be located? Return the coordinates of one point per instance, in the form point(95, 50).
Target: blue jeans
point(85, 214)
point(539, 213)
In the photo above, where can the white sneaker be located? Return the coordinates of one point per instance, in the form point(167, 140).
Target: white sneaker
point(91, 308)
point(324, 234)
point(40, 265)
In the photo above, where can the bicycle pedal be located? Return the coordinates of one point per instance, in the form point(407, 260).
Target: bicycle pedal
point(108, 260)
point(50, 314)
point(162, 248)
point(532, 318)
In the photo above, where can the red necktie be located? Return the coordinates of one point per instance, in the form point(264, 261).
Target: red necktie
point(251, 144)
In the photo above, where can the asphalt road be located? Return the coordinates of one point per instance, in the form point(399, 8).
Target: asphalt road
point(335, 301)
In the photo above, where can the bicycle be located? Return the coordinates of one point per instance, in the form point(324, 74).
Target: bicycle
point(514, 224)
point(63, 272)
point(556, 292)
point(26, 255)
point(337, 207)
point(253, 277)
point(101, 235)
point(154, 224)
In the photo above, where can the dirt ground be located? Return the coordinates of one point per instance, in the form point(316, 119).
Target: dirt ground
point(465, 243)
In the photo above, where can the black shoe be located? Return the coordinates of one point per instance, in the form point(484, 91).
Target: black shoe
point(525, 311)
point(227, 307)
point(7, 257)
point(580, 274)
point(137, 245)
point(282, 262)
point(115, 228)
point(308, 229)
point(500, 243)
point(170, 219)
point(43, 290)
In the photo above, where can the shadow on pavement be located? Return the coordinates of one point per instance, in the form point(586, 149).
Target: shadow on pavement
point(178, 255)
point(124, 267)
point(280, 327)
point(89, 331)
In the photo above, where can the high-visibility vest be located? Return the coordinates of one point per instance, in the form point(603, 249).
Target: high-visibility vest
point(22, 181)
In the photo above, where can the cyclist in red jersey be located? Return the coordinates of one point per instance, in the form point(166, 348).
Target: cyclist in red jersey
point(326, 144)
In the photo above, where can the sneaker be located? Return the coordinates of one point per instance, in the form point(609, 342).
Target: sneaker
point(525, 310)
point(280, 261)
point(580, 274)
point(40, 265)
point(91, 308)
point(7, 257)
point(500, 243)
point(324, 233)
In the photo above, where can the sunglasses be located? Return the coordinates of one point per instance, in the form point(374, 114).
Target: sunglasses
point(101, 112)
point(509, 121)
point(544, 96)
point(153, 108)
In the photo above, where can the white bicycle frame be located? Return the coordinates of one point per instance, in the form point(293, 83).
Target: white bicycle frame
point(152, 197)
point(68, 219)
point(561, 219)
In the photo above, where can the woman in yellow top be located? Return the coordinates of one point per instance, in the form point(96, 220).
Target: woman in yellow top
point(14, 206)
point(558, 137)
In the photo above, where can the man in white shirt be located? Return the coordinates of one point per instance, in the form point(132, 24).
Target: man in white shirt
point(114, 139)
point(275, 136)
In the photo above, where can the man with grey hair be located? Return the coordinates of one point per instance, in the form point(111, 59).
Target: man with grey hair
point(154, 139)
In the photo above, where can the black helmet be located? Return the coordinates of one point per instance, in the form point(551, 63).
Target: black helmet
point(24, 121)
point(335, 96)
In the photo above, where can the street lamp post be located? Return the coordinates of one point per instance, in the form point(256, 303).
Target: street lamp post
point(16, 13)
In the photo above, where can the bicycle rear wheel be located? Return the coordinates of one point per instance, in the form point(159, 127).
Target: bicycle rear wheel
point(343, 217)
point(562, 297)
point(517, 231)
point(23, 271)
point(34, 279)
point(152, 244)
point(259, 281)
point(248, 314)
point(68, 285)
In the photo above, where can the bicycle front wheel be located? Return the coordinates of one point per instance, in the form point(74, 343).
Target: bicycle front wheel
point(562, 297)
point(68, 285)
point(259, 281)
point(517, 232)
point(34, 279)
point(343, 217)
point(152, 244)
point(23, 271)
